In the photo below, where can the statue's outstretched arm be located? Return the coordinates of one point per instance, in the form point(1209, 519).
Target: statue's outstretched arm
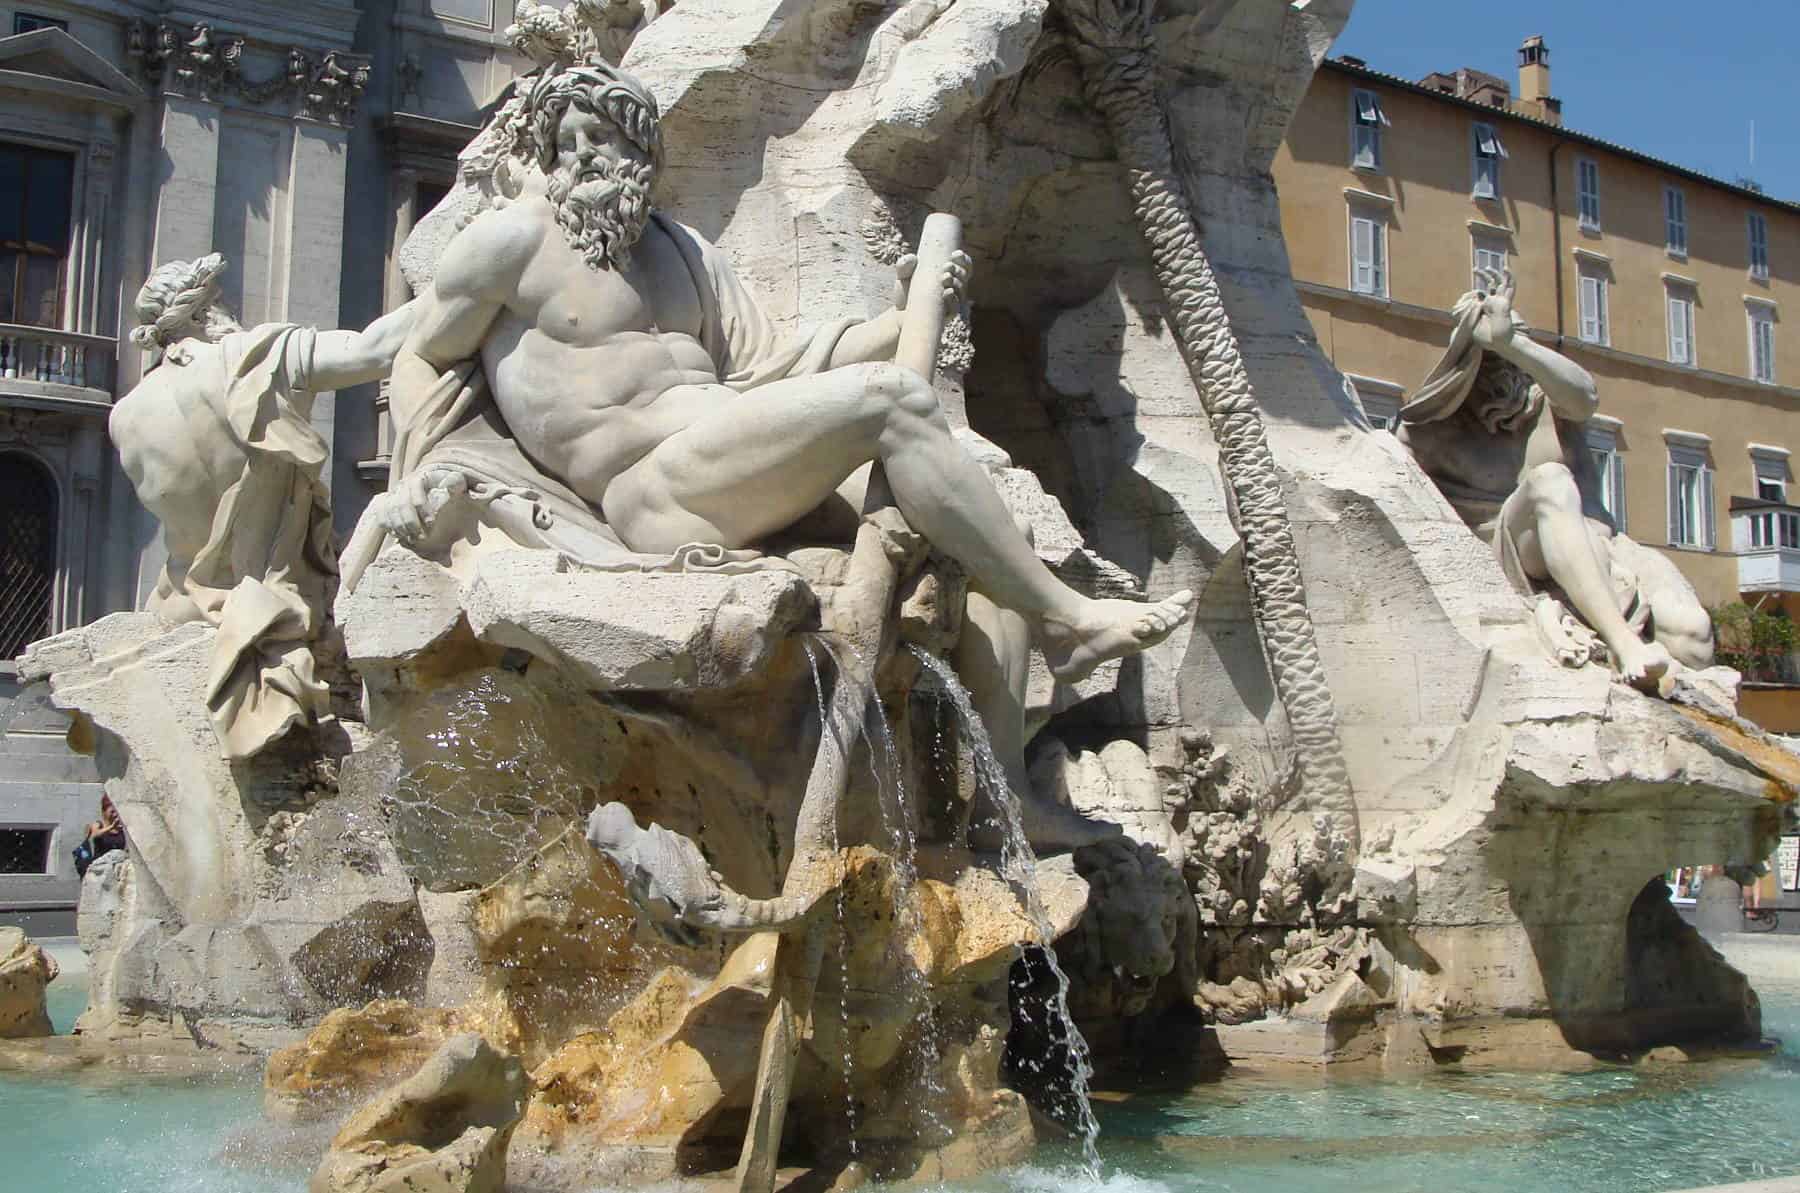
point(345, 358)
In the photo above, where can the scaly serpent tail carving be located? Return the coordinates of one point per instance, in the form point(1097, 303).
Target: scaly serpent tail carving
point(1113, 43)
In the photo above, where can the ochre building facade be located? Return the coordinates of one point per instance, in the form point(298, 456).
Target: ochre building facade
point(1677, 291)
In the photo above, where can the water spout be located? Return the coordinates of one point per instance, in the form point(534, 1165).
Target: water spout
point(1019, 864)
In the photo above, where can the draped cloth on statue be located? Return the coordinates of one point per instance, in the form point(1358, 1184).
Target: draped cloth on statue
point(454, 425)
point(268, 569)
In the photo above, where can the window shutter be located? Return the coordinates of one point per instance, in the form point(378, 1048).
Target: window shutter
point(1618, 491)
point(1762, 348)
point(1590, 309)
point(1677, 330)
point(1362, 252)
point(1705, 537)
point(1674, 535)
point(1588, 188)
point(1378, 257)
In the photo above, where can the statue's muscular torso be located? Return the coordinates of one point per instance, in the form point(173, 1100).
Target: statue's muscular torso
point(591, 368)
point(1469, 461)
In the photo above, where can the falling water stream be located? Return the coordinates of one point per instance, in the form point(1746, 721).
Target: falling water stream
point(902, 848)
point(1019, 864)
point(843, 928)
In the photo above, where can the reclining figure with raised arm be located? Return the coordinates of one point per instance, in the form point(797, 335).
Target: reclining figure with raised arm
point(629, 364)
point(1498, 425)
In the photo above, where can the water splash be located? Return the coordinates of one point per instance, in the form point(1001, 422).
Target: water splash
point(1019, 865)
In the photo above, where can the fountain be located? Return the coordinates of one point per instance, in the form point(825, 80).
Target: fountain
point(751, 737)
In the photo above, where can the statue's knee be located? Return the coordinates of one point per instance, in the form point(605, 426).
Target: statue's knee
point(1552, 485)
point(902, 391)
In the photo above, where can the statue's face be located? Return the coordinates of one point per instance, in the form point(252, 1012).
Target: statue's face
point(589, 146)
point(600, 186)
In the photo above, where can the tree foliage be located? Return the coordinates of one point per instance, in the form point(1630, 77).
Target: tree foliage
point(1757, 642)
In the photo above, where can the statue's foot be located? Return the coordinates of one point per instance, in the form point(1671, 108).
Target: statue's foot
point(1049, 827)
point(1109, 629)
point(1642, 664)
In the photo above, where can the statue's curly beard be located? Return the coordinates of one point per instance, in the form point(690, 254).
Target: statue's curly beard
point(603, 208)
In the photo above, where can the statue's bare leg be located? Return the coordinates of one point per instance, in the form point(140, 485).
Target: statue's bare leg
point(993, 657)
point(755, 462)
point(1545, 519)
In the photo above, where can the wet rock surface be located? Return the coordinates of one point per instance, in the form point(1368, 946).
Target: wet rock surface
point(25, 970)
point(444, 1129)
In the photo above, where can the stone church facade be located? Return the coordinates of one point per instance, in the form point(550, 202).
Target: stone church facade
point(299, 139)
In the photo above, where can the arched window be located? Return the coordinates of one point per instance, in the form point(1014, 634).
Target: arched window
point(27, 551)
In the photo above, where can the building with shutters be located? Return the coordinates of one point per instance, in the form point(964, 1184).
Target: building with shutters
point(301, 140)
point(1677, 291)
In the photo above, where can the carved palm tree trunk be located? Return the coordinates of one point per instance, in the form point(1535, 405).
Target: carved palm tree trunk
point(1112, 41)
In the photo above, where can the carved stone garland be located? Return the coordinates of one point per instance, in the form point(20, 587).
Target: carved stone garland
point(207, 64)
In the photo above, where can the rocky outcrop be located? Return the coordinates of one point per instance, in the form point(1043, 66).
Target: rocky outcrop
point(353, 1051)
point(694, 1042)
point(258, 893)
point(445, 1129)
point(25, 969)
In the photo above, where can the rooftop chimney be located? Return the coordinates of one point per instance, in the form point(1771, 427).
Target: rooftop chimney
point(1534, 82)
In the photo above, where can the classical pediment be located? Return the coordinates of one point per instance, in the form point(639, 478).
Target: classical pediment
point(53, 60)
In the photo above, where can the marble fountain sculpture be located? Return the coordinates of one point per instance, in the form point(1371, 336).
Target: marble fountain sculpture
point(657, 781)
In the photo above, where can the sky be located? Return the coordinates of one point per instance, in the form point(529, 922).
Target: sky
point(1677, 80)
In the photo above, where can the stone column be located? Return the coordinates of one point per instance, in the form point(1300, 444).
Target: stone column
point(87, 457)
point(186, 200)
point(86, 286)
point(316, 244)
point(403, 204)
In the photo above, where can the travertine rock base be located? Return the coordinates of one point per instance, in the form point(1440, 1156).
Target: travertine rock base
point(445, 1129)
point(25, 970)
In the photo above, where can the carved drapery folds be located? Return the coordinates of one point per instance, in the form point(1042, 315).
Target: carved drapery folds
point(206, 63)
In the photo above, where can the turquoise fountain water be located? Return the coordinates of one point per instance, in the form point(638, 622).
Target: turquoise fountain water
point(1614, 1129)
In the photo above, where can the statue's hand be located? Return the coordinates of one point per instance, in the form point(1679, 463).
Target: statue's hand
point(411, 513)
point(953, 283)
point(1498, 322)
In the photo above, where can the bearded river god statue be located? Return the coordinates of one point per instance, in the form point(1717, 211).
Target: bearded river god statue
point(578, 345)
